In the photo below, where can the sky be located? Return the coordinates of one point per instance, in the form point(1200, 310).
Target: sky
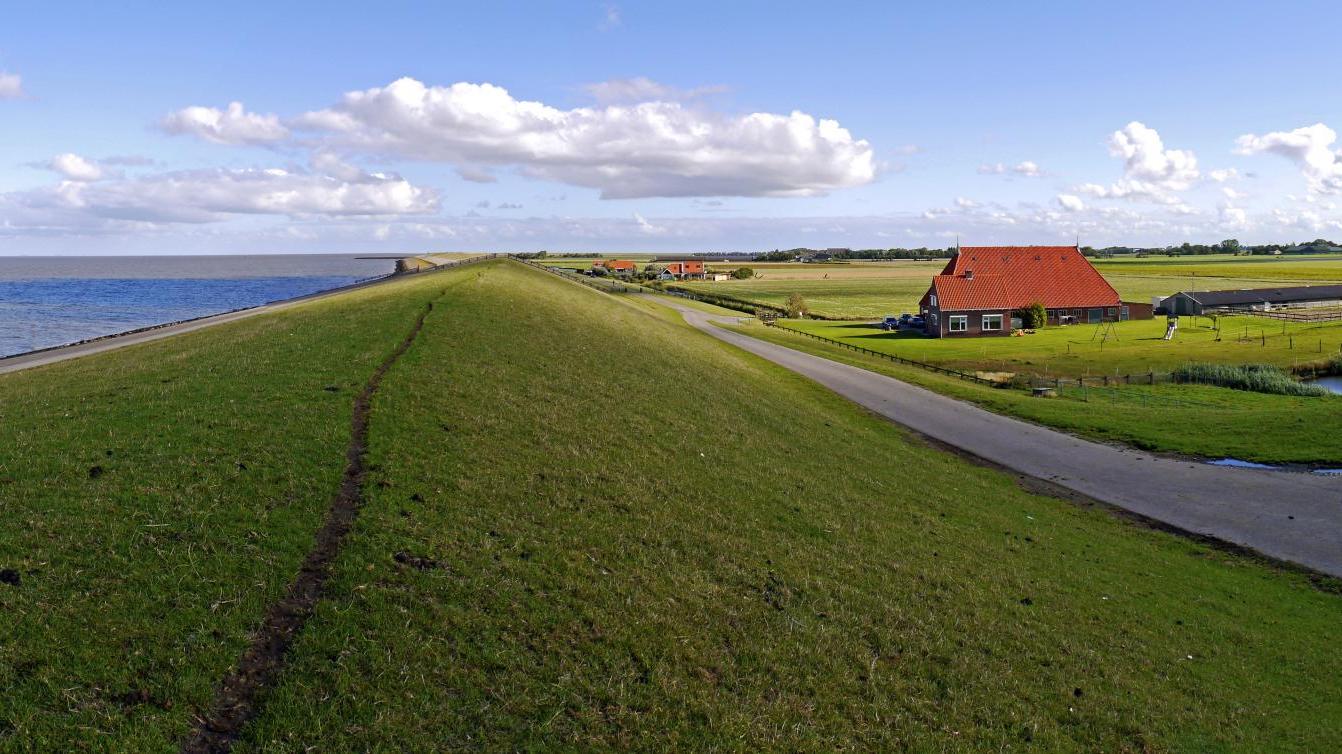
point(151, 128)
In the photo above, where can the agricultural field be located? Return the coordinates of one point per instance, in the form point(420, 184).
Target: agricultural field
point(535, 569)
point(874, 289)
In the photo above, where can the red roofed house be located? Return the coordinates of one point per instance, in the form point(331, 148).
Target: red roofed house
point(621, 267)
point(982, 285)
point(683, 270)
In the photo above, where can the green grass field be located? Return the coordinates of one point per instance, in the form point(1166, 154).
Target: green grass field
point(1197, 420)
point(1136, 347)
point(875, 289)
point(613, 532)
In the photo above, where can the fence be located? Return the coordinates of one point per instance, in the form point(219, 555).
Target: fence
point(726, 302)
point(601, 284)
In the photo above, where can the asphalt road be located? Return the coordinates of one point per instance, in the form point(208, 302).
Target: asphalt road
point(1293, 516)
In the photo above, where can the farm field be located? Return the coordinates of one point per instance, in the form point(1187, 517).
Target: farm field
point(1195, 420)
point(875, 289)
point(524, 576)
point(1136, 347)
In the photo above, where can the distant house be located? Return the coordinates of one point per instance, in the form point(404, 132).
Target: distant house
point(982, 285)
point(621, 267)
point(1252, 299)
point(690, 270)
point(719, 276)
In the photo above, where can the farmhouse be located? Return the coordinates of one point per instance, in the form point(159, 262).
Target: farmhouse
point(1253, 300)
point(618, 266)
point(982, 285)
point(686, 270)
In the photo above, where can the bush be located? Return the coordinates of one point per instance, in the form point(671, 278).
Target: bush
point(795, 306)
point(1033, 316)
point(743, 273)
point(1258, 378)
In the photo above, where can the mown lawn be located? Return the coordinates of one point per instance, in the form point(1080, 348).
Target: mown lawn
point(1197, 420)
point(156, 498)
point(592, 528)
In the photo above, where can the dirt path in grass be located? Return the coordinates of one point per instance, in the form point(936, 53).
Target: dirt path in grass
point(1291, 516)
point(236, 697)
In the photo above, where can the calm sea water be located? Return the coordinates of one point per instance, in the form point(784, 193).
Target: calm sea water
point(49, 301)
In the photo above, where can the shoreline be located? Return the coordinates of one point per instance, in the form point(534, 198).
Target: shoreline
point(52, 354)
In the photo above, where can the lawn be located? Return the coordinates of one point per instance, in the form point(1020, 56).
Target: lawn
point(589, 526)
point(1130, 348)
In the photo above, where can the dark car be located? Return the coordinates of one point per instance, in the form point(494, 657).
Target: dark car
point(917, 323)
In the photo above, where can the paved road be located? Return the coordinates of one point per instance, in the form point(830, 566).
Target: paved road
point(1292, 516)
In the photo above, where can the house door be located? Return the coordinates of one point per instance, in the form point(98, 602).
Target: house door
point(1094, 316)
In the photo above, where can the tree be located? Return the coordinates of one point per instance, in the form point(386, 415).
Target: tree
point(743, 273)
point(652, 271)
point(795, 306)
point(1230, 246)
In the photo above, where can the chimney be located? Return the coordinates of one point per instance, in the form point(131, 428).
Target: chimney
point(969, 274)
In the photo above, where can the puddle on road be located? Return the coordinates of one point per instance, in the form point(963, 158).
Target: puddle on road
point(1238, 464)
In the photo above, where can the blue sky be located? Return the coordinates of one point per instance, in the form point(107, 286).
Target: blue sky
point(684, 126)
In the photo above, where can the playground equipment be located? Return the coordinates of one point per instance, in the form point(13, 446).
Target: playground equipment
point(1171, 325)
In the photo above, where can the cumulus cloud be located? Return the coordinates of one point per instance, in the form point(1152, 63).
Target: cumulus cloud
point(646, 227)
point(232, 125)
point(1026, 168)
point(642, 89)
point(1223, 175)
point(202, 196)
point(75, 168)
point(1146, 159)
point(11, 85)
point(1310, 148)
point(1071, 203)
point(650, 149)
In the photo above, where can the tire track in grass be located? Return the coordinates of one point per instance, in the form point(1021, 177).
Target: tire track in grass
point(236, 698)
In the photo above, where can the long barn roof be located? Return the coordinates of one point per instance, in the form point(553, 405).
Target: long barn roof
point(1266, 295)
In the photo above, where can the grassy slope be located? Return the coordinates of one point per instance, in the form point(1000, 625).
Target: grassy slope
point(218, 451)
point(641, 538)
point(1190, 419)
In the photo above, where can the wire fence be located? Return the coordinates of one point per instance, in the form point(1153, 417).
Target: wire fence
point(892, 357)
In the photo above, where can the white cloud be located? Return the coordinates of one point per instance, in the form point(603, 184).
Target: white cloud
point(964, 203)
point(646, 227)
point(642, 89)
point(1071, 203)
point(233, 125)
point(626, 151)
point(202, 196)
point(1233, 194)
point(1234, 217)
point(610, 18)
point(1223, 175)
point(75, 168)
point(11, 85)
point(1310, 148)
point(1146, 159)
point(1025, 168)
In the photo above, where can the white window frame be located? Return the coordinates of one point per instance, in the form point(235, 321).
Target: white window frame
point(960, 319)
point(933, 300)
point(984, 323)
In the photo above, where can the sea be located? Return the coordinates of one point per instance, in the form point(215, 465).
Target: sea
point(52, 301)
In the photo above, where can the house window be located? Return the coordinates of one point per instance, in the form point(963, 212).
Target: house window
point(992, 322)
point(1123, 313)
point(933, 299)
point(960, 322)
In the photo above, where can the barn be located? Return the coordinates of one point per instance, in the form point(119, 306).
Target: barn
point(981, 286)
point(1253, 300)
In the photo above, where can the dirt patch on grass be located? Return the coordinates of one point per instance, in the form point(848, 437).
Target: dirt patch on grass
point(237, 698)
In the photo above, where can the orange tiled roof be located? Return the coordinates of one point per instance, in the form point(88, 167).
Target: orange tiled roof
point(1059, 277)
point(981, 292)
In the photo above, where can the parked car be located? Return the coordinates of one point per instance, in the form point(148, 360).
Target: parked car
point(905, 318)
point(891, 322)
point(917, 323)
